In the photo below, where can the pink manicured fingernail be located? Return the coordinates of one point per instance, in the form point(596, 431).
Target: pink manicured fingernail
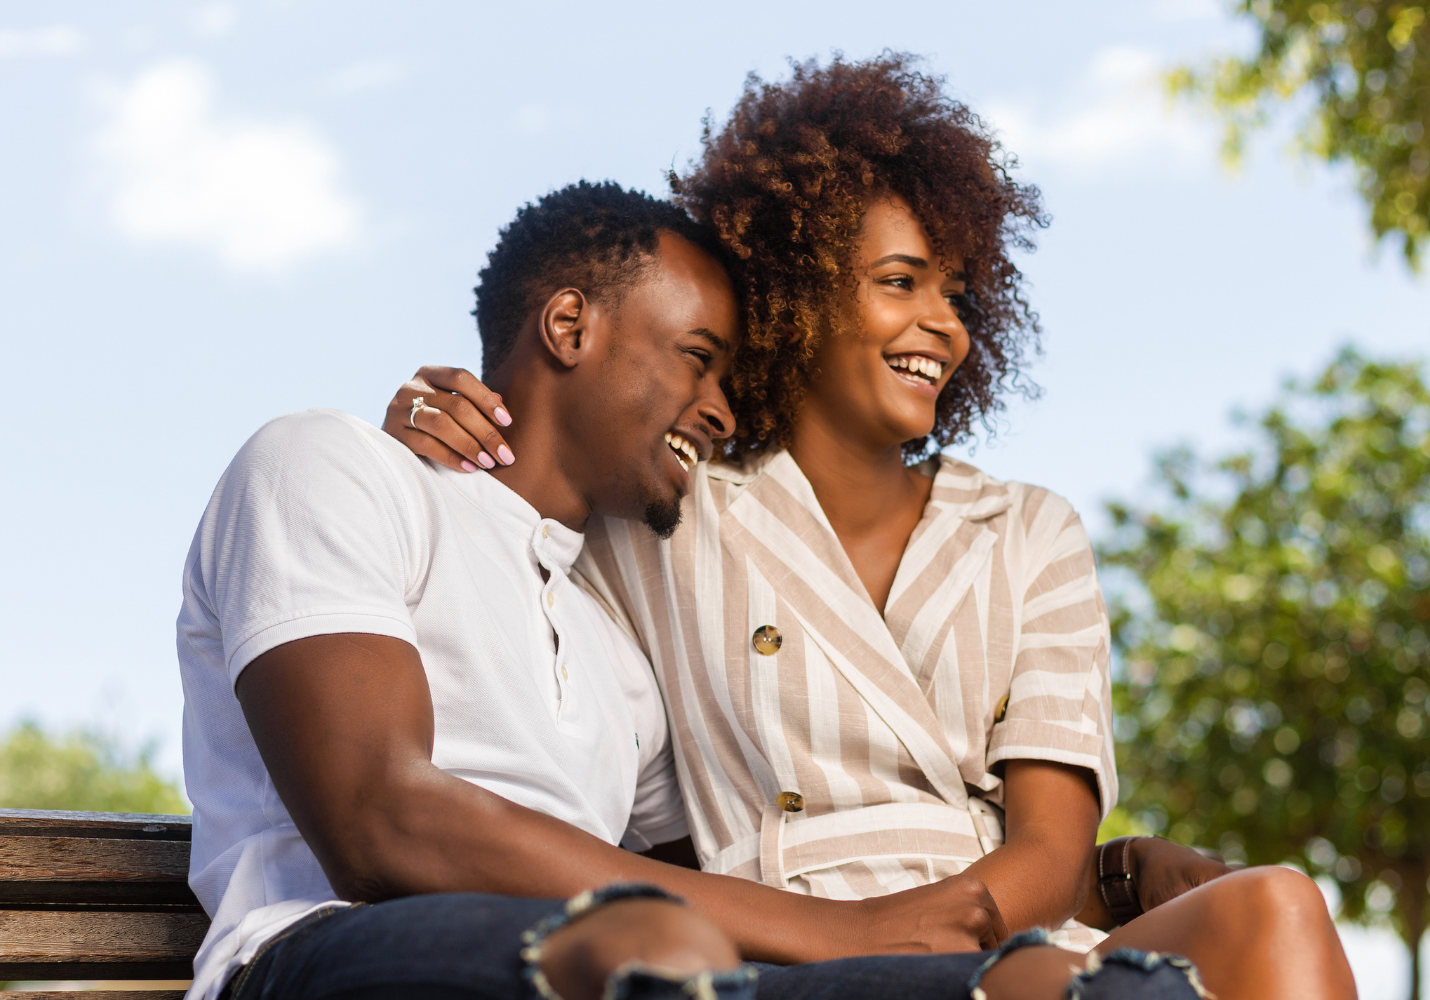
point(504, 453)
point(486, 460)
point(503, 417)
point(468, 466)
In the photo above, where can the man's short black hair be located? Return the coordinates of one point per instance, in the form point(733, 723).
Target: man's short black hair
point(595, 237)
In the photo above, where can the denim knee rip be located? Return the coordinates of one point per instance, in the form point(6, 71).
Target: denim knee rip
point(1150, 974)
point(635, 980)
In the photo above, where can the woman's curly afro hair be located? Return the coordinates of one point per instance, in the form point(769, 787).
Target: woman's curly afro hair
point(786, 182)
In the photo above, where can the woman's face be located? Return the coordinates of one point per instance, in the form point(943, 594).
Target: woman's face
point(878, 380)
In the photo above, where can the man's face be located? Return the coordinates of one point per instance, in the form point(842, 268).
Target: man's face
point(652, 402)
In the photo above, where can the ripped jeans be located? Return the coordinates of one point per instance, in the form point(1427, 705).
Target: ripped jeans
point(1125, 974)
point(466, 946)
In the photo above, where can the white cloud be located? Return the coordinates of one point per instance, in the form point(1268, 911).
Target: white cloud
point(260, 195)
point(370, 74)
point(214, 19)
point(56, 40)
point(1117, 113)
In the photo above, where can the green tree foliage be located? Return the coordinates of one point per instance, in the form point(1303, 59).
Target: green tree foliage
point(1273, 629)
point(80, 771)
point(1365, 64)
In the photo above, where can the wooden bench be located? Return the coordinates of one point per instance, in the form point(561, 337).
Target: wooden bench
point(97, 896)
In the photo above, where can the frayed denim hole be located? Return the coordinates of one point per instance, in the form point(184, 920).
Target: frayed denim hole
point(1023, 939)
point(1145, 961)
point(629, 978)
point(534, 938)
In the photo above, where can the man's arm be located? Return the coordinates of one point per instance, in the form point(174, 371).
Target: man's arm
point(345, 727)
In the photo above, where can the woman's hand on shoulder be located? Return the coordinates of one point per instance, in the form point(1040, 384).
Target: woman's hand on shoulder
point(455, 423)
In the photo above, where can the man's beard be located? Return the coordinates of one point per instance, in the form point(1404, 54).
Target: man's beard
point(662, 516)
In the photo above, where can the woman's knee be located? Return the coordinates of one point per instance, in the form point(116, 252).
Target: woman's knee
point(1271, 899)
point(578, 959)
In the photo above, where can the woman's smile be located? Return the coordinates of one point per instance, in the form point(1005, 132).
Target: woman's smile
point(920, 372)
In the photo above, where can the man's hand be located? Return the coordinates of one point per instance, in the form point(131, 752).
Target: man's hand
point(956, 914)
point(456, 425)
point(1162, 870)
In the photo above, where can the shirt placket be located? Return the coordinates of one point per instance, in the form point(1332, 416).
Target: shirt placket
point(555, 601)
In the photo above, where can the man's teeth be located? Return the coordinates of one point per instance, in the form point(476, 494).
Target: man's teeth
point(918, 365)
point(685, 452)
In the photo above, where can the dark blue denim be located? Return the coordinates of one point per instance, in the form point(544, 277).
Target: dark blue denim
point(449, 946)
point(1124, 975)
point(465, 946)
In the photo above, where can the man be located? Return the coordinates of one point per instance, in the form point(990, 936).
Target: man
point(395, 696)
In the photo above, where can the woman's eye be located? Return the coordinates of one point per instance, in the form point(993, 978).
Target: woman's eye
point(900, 282)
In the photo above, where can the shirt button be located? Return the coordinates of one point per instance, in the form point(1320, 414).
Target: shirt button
point(790, 802)
point(550, 600)
point(566, 677)
point(1001, 712)
point(767, 640)
point(544, 530)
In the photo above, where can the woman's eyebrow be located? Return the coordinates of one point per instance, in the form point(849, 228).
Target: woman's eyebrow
point(901, 258)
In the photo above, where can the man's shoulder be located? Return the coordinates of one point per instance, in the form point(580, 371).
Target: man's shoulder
point(301, 445)
point(307, 431)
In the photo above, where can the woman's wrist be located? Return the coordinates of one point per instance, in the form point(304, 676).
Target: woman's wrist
point(1117, 869)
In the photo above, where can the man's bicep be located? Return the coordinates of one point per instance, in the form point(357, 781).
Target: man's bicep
point(336, 719)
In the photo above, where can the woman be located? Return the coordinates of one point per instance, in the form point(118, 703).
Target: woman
point(875, 661)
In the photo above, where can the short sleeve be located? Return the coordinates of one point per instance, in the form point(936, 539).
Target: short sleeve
point(309, 532)
point(1060, 696)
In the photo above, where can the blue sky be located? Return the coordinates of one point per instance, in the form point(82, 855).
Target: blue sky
point(214, 213)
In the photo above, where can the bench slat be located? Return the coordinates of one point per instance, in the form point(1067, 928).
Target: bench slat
point(104, 995)
point(42, 936)
point(58, 823)
point(91, 859)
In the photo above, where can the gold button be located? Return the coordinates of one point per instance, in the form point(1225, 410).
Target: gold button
point(1001, 711)
point(550, 599)
point(767, 640)
point(543, 530)
point(790, 802)
point(564, 675)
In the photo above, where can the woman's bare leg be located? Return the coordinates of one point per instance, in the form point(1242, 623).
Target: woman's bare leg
point(1262, 933)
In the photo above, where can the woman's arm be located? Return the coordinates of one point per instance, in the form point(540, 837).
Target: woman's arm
point(1039, 877)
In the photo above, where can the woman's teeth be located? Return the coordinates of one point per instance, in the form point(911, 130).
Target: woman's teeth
point(917, 365)
point(685, 452)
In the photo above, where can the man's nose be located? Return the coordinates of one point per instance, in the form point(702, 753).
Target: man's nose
point(714, 411)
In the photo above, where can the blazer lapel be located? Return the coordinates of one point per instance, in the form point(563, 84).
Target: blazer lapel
point(789, 539)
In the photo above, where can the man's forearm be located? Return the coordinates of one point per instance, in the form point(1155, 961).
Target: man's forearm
point(437, 833)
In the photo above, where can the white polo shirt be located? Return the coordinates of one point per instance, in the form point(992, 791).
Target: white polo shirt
point(323, 524)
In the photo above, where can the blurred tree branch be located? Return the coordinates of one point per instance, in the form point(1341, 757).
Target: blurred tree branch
point(1365, 65)
point(1272, 616)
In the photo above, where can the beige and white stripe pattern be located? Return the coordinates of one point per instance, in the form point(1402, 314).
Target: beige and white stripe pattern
point(884, 724)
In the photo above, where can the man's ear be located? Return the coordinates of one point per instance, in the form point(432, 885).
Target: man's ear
point(565, 326)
